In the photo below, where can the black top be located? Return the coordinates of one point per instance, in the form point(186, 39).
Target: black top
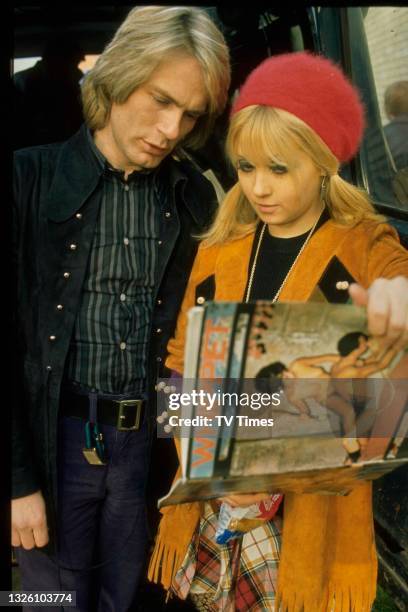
point(275, 257)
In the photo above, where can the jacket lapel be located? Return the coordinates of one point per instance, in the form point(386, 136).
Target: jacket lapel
point(76, 177)
point(232, 272)
point(232, 269)
point(313, 263)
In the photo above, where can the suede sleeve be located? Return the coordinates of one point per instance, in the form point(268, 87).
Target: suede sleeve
point(373, 250)
point(387, 258)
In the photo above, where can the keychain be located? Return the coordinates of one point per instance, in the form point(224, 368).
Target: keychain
point(94, 450)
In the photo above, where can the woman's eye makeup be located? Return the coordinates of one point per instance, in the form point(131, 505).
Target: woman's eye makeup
point(278, 168)
point(244, 165)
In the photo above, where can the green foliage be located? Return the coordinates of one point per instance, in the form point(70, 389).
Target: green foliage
point(383, 602)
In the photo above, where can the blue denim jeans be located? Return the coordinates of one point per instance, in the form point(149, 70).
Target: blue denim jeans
point(102, 530)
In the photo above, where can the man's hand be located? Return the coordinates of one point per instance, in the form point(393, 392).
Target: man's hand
point(387, 310)
point(29, 521)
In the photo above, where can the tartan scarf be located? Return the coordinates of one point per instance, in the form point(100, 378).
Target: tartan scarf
point(328, 558)
point(237, 576)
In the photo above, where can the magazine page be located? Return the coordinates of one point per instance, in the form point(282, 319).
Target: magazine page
point(337, 409)
point(335, 388)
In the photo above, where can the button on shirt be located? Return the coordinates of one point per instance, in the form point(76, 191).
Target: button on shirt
point(110, 343)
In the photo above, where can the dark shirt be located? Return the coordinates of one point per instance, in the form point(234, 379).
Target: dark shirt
point(109, 346)
point(275, 258)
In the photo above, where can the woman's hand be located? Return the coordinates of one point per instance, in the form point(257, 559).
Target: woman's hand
point(387, 310)
point(244, 499)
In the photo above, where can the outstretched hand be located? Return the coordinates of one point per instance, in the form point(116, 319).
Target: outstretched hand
point(386, 301)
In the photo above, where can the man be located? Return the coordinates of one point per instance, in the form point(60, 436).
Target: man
point(104, 245)
point(396, 131)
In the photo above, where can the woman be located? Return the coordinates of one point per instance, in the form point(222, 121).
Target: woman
point(291, 229)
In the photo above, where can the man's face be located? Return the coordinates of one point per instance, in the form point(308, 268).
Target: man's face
point(142, 131)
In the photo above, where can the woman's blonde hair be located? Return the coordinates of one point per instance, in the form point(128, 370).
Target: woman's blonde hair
point(148, 36)
point(272, 133)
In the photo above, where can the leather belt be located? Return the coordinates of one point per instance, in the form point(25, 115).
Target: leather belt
point(124, 414)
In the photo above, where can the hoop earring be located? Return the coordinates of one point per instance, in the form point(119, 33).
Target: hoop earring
point(323, 188)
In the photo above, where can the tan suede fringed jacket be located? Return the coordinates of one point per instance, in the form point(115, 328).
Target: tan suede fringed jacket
point(328, 558)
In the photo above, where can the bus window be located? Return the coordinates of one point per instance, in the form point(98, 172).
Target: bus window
point(377, 38)
point(23, 63)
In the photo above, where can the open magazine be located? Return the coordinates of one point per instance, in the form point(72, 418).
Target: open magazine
point(284, 397)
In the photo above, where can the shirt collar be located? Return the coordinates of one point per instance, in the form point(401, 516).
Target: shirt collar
point(79, 168)
point(109, 170)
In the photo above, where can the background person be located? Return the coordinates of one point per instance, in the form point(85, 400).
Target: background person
point(396, 132)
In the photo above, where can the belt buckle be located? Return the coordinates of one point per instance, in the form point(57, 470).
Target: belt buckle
point(123, 404)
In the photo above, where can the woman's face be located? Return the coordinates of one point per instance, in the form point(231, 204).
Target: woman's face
point(285, 196)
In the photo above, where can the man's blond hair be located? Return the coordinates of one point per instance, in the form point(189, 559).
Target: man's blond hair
point(147, 37)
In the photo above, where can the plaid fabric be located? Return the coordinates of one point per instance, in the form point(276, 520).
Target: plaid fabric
point(240, 576)
point(203, 602)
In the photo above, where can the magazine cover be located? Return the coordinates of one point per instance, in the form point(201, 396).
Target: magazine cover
point(214, 355)
point(192, 354)
point(337, 409)
point(232, 385)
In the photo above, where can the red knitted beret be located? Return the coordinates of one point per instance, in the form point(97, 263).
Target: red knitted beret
point(315, 90)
